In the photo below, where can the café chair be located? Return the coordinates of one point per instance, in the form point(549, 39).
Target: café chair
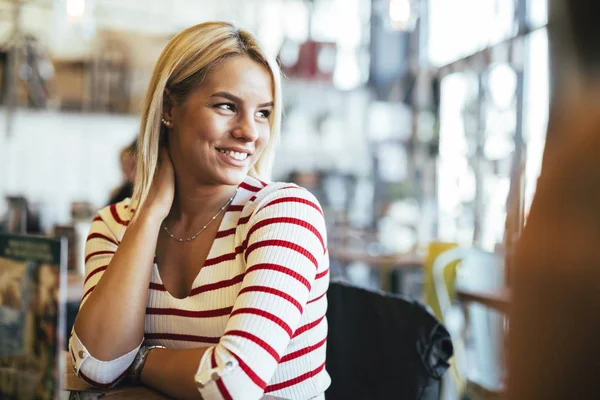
point(383, 346)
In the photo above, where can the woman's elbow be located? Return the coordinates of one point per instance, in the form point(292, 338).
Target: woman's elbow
point(101, 374)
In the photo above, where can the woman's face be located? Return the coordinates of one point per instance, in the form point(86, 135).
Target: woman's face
point(221, 129)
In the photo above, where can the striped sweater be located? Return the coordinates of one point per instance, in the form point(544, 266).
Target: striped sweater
point(259, 299)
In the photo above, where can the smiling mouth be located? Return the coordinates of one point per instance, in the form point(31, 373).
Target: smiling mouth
point(234, 154)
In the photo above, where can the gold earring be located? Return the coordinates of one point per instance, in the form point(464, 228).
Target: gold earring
point(167, 123)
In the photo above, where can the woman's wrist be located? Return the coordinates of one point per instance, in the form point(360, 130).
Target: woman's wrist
point(151, 216)
point(137, 366)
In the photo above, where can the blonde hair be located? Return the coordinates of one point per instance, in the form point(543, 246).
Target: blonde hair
point(181, 67)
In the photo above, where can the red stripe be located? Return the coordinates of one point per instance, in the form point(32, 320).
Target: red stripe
point(96, 219)
point(219, 312)
point(86, 294)
point(251, 374)
point(234, 208)
point(270, 290)
point(316, 299)
point(244, 220)
point(220, 384)
point(303, 351)
point(102, 385)
point(220, 259)
point(217, 285)
point(252, 199)
point(308, 327)
point(115, 215)
point(282, 269)
point(255, 339)
point(94, 272)
point(263, 183)
point(294, 200)
point(183, 338)
point(101, 236)
point(322, 274)
point(294, 381)
point(266, 315)
point(291, 187)
point(285, 220)
point(251, 188)
point(285, 244)
point(157, 286)
point(222, 234)
point(97, 253)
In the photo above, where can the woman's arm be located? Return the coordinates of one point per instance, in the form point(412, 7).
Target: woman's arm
point(172, 372)
point(110, 321)
point(116, 306)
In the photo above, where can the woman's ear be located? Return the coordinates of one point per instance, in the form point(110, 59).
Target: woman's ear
point(168, 103)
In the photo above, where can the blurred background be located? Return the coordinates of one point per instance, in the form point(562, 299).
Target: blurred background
point(420, 126)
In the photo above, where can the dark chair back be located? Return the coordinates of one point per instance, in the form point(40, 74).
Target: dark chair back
point(383, 346)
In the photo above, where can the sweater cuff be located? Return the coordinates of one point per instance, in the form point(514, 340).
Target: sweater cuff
point(95, 372)
point(211, 372)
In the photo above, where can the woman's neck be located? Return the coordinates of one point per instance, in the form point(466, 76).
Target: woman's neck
point(197, 204)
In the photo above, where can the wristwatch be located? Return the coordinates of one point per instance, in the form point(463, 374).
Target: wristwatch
point(135, 370)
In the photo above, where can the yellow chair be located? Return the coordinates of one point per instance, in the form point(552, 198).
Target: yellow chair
point(430, 297)
point(483, 270)
point(429, 293)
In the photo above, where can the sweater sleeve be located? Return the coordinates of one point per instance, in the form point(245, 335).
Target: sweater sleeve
point(101, 245)
point(283, 248)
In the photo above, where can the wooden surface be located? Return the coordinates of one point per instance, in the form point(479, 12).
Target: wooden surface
point(498, 300)
point(383, 261)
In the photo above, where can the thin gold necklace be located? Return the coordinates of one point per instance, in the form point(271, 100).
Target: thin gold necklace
point(195, 235)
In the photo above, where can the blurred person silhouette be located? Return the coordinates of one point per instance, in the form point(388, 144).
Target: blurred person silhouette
point(127, 161)
point(554, 324)
point(211, 281)
point(20, 218)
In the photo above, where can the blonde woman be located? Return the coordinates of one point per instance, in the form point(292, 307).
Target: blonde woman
point(210, 283)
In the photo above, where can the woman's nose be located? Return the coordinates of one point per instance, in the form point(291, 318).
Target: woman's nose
point(246, 129)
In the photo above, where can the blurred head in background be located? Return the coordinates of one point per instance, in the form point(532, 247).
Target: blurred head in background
point(197, 60)
point(127, 162)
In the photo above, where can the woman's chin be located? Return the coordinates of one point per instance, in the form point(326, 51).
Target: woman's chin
point(234, 178)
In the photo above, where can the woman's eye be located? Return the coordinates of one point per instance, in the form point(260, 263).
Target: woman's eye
point(225, 106)
point(263, 113)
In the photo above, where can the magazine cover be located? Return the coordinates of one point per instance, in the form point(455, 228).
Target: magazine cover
point(32, 316)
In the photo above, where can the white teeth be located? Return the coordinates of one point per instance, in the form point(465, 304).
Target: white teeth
point(235, 154)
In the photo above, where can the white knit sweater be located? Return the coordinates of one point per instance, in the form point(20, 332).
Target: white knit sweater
point(259, 299)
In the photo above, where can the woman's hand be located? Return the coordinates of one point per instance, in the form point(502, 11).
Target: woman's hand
point(160, 198)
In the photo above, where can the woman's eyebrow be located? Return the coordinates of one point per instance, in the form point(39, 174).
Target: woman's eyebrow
point(227, 95)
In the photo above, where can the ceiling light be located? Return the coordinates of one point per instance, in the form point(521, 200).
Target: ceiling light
point(75, 8)
point(401, 14)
